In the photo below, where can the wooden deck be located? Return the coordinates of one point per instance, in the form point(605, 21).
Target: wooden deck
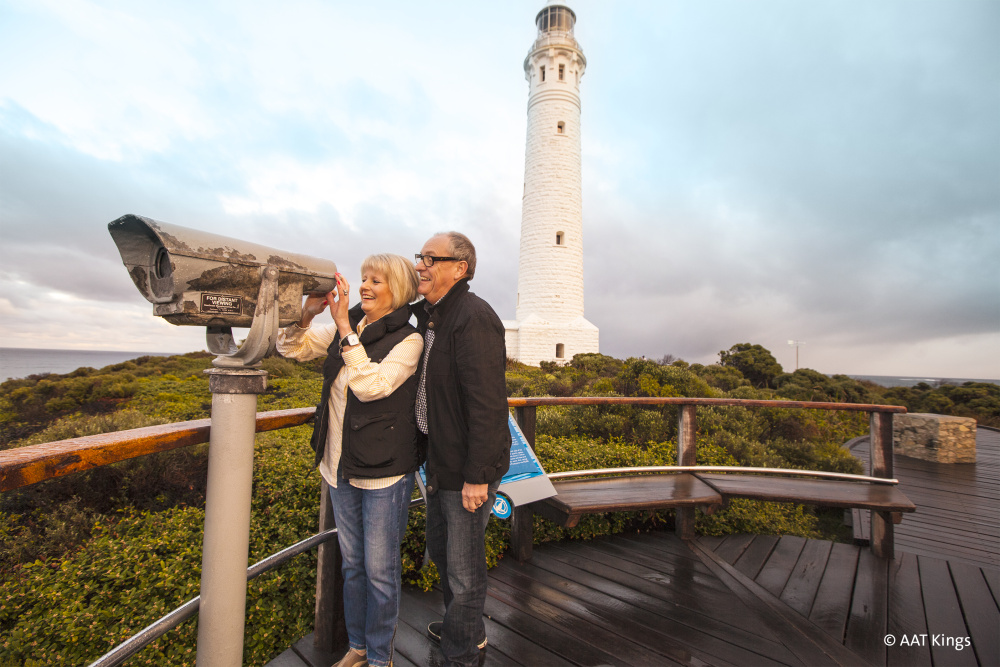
point(741, 600)
point(958, 505)
point(750, 600)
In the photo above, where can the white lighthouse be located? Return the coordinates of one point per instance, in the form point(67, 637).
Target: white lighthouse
point(550, 325)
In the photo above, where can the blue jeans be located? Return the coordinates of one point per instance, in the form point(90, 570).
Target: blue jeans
point(371, 525)
point(456, 541)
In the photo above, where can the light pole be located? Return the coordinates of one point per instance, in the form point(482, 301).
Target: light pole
point(795, 344)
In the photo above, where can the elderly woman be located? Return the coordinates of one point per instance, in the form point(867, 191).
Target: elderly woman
point(365, 438)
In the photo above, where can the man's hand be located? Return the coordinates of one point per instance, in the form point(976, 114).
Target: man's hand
point(314, 305)
point(474, 495)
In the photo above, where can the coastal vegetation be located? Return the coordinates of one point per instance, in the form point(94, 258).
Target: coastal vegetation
point(88, 559)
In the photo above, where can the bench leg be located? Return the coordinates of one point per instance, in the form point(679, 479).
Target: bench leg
point(883, 544)
point(522, 533)
point(684, 523)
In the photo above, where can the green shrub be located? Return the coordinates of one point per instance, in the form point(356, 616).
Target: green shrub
point(978, 400)
point(78, 425)
point(30, 404)
point(598, 364)
point(88, 559)
point(725, 378)
point(756, 517)
point(40, 535)
point(140, 565)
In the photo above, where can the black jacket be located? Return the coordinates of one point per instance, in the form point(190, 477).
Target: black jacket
point(468, 436)
point(380, 438)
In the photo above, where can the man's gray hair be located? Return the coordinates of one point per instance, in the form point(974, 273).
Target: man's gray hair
point(461, 247)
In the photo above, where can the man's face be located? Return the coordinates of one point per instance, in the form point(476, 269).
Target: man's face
point(435, 281)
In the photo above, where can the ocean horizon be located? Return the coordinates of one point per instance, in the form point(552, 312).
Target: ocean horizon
point(20, 362)
point(912, 381)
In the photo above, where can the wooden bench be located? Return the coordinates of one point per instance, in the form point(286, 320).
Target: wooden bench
point(690, 488)
point(706, 491)
point(622, 494)
point(822, 492)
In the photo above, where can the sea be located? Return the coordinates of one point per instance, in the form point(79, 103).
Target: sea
point(911, 381)
point(19, 362)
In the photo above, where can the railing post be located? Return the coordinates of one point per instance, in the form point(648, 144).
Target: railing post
point(222, 615)
point(525, 418)
point(522, 520)
point(880, 440)
point(330, 633)
point(687, 423)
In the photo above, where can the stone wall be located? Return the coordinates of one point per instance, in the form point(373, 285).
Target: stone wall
point(938, 438)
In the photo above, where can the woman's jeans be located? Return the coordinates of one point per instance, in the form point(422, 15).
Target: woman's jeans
point(456, 541)
point(371, 525)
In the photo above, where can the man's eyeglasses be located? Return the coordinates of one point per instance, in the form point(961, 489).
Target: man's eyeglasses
point(429, 260)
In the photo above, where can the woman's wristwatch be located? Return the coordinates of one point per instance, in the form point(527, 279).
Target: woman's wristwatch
point(350, 339)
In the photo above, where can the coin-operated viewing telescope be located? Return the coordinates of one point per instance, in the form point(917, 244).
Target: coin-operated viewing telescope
point(196, 278)
point(201, 279)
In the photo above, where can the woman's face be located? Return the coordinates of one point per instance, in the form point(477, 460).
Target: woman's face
point(376, 298)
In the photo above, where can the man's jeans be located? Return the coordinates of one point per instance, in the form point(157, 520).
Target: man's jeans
point(456, 541)
point(371, 525)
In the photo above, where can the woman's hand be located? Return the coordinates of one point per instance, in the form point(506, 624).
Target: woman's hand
point(339, 305)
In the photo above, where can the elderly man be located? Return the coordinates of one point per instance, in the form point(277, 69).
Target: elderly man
point(462, 409)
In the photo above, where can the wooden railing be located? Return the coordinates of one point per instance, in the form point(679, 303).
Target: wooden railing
point(28, 465)
point(36, 463)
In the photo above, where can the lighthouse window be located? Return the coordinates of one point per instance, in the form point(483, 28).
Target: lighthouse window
point(559, 238)
point(561, 127)
point(562, 72)
point(560, 351)
point(543, 73)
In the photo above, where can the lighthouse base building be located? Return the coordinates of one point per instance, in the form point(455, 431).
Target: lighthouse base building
point(549, 324)
point(534, 340)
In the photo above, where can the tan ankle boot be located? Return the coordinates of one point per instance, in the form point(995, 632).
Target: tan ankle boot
point(353, 659)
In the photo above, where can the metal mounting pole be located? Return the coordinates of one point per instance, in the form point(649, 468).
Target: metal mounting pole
point(234, 385)
point(222, 616)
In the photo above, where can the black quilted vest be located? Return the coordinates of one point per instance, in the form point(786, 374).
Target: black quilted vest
point(380, 437)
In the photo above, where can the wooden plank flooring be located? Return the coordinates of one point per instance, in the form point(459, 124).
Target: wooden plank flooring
point(958, 505)
point(750, 599)
point(654, 599)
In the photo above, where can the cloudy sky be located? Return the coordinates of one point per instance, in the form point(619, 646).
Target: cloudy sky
point(826, 172)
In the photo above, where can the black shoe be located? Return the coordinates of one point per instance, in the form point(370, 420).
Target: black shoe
point(434, 632)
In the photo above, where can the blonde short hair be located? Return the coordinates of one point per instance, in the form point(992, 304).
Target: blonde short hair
point(399, 275)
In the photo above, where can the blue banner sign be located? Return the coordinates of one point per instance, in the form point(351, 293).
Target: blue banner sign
point(525, 481)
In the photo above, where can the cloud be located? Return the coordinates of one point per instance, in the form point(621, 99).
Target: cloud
point(821, 177)
point(752, 173)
